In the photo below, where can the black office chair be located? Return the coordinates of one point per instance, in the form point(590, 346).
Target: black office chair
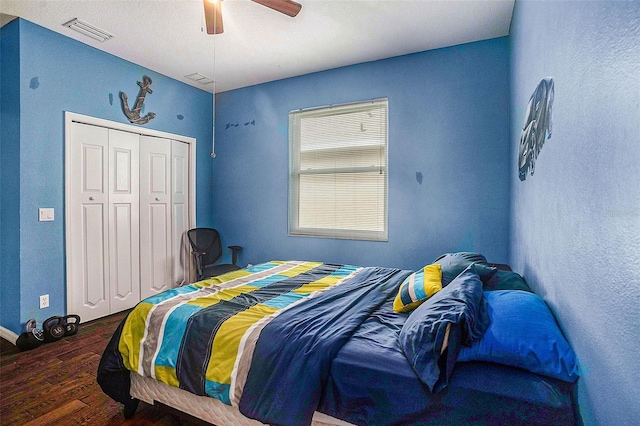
point(207, 248)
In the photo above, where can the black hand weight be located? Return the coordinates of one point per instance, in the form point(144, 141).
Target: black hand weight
point(31, 338)
point(53, 329)
point(71, 324)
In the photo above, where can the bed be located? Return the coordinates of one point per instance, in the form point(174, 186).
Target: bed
point(298, 343)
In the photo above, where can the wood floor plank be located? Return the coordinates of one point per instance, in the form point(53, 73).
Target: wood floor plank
point(80, 364)
point(79, 346)
point(110, 412)
point(16, 419)
point(18, 396)
point(44, 353)
point(26, 375)
point(62, 392)
point(92, 348)
point(61, 413)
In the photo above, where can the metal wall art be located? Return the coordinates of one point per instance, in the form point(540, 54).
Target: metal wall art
point(536, 127)
point(134, 114)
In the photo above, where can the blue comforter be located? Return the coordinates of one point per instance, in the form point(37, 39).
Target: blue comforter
point(295, 372)
point(261, 338)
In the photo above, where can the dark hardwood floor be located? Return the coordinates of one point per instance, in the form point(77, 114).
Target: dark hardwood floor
point(55, 384)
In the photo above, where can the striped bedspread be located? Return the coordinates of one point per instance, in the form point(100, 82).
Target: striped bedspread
point(274, 326)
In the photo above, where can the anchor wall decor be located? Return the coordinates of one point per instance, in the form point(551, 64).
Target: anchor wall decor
point(134, 114)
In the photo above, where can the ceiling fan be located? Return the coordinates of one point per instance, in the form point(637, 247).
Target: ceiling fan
point(213, 11)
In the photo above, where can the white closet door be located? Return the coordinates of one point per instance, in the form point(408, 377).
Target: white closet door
point(87, 222)
point(128, 201)
point(155, 216)
point(180, 210)
point(124, 235)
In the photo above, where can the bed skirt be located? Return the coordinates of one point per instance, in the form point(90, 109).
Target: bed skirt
point(210, 410)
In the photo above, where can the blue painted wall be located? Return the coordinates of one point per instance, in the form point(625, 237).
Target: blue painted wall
point(9, 176)
point(448, 120)
point(58, 74)
point(576, 221)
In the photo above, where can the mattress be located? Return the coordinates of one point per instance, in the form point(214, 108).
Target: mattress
point(371, 382)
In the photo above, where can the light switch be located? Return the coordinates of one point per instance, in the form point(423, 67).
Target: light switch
point(45, 214)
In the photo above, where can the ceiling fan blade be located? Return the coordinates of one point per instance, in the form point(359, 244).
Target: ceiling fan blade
point(288, 7)
point(213, 16)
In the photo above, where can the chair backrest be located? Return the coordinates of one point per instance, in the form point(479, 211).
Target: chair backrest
point(206, 240)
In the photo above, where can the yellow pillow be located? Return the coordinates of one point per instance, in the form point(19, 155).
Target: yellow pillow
point(418, 287)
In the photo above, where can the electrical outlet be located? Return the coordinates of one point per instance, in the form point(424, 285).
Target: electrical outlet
point(44, 301)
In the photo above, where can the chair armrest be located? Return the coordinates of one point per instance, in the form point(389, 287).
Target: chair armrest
point(198, 255)
point(234, 253)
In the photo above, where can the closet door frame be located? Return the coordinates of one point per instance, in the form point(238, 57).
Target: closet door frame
point(71, 117)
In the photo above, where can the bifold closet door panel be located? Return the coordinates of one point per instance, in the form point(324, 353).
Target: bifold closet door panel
point(124, 211)
point(87, 210)
point(155, 216)
point(180, 211)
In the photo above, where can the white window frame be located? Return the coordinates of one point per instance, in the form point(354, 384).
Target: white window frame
point(295, 171)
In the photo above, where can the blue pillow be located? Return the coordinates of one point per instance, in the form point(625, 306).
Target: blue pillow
point(507, 280)
point(523, 333)
point(468, 256)
point(454, 263)
point(453, 316)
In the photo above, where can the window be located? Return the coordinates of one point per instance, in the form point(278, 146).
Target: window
point(338, 171)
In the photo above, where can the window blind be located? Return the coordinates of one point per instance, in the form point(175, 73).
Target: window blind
point(338, 171)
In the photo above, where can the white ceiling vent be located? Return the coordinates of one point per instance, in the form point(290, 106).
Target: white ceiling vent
point(196, 76)
point(88, 30)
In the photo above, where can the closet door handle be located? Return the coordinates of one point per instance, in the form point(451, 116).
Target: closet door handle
point(157, 198)
point(91, 198)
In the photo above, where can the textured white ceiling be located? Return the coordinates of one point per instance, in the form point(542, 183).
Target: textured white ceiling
point(259, 44)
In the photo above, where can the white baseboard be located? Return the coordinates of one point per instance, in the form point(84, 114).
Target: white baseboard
point(8, 335)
